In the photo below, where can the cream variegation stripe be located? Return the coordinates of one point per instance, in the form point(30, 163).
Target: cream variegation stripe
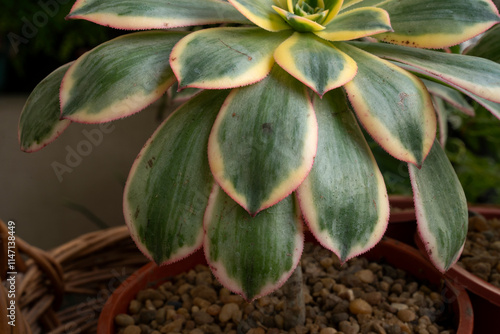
point(298, 23)
point(393, 105)
point(225, 57)
point(169, 184)
point(261, 13)
point(438, 23)
point(355, 24)
point(277, 136)
point(333, 7)
point(492, 107)
point(118, 78)
point(477, 75)
point(450, 95)
point(354, 4)
point(343, 199)
point(155, 14)
point(40, 122)
point(441, 208)
point(266, 248)
point(315, 62)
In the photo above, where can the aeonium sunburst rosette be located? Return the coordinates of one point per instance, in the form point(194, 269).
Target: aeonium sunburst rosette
point(284, 85)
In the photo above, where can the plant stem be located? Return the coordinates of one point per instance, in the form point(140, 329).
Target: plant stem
point(295, 308)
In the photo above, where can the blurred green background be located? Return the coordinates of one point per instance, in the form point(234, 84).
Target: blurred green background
point(35, 39)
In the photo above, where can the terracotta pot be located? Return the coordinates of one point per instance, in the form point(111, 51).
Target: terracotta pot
point(394, 252)
point(484, 296)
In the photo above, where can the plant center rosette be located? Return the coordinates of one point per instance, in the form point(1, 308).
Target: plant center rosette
point(284, 85)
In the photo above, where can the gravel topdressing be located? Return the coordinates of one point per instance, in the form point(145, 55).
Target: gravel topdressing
point(481, 254)
point(360, 297)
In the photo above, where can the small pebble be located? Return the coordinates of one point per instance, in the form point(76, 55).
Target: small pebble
point(149, 305)
point(373, 298)
point(399, 306)
point(348, 327)
point(384, 286)
point(328, 330)
point(149, 294)
point(124, 320)
point(482, 270)
point(479, 223)
point(378, 328)
point(135, 306)
point(338, 317)
point(360, 306)
point(202, 318)
point(326, 262)
point(147, 316)
point(213, 310)
point(366, 276)
point(161, 316)
point(201, 303)
point(196, 331)
point(132, 330)
point(406, 315)
point(495, 245)
point(279, 321)
point(204, 292)
point(397, 288)
point(174, 326)
point(227, 312)
point(393, 329)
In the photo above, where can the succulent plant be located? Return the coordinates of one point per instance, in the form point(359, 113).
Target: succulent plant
point(273, 137)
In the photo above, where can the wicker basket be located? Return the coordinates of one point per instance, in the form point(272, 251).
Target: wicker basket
point(63, 290)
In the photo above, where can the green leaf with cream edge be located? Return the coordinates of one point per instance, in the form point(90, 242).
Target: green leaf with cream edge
point(449, 95)
point(437, 23)
point(343, 199)
point(298, 23)
point(261, 13)
point(488, 46)
point(393, 106)
point(155, 14)
point(169, 184)
point(276, 130)
point(315, 62)
point(442, 117)
point(40, 123)
point(252, 256)
point(476, 75)
point(119, 77)
point(354, 4)
point(493, 107)
point(225, 57)
point(355, 24)
point(441, 208)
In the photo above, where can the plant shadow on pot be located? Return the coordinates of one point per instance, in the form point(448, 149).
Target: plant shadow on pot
point(485, 297)
point(388, 250)
point(402, 222)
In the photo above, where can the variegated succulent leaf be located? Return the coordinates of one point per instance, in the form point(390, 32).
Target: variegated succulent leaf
point(255, 139)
